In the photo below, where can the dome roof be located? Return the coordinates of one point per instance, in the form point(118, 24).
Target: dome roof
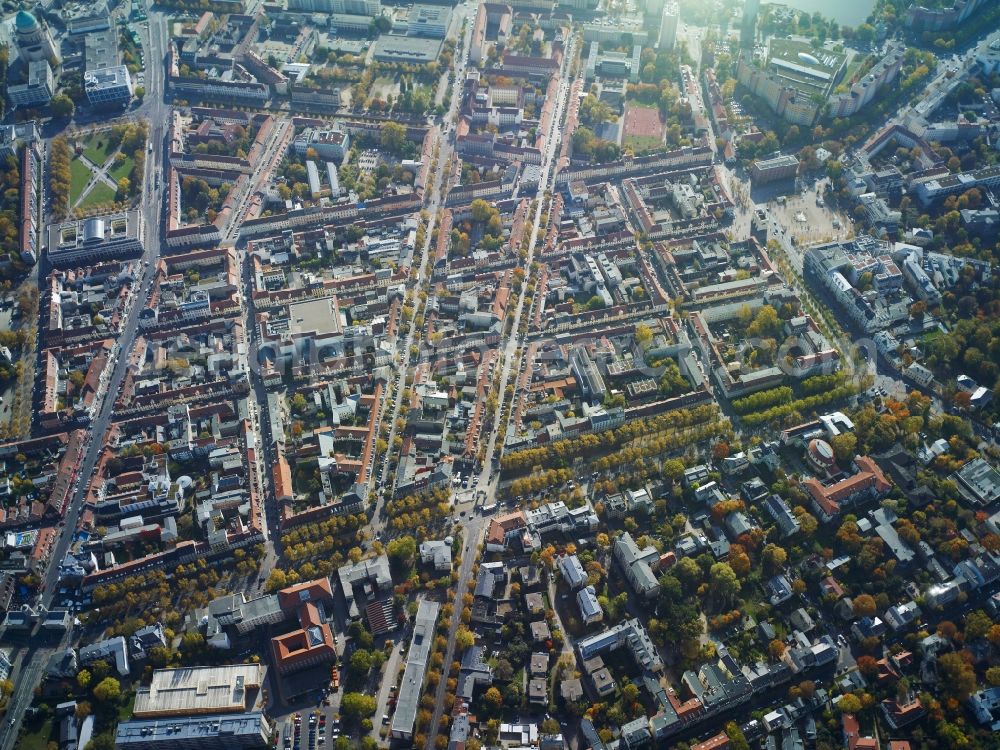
point(821, 452)
point(24, 21)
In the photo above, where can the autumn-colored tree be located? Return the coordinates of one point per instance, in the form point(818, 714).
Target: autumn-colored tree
point(739, 561)
point(957, 675)
point(868, 665)
point(994, 635)
point(845, 447)
point(807, 521)
point(908, 532)
point(723, 582)
point(977, 625)
point(108, 690)
point(947, 629)
point(464, 638)
point(774, 556)
point(864, 605)
point(849, 704)
point(493, 698)
point(849, 536)
point(776, 648)
point(720, 450)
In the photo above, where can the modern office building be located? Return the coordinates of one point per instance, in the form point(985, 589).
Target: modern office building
point(83, 18)
point(370, 8)
point(864, 90)
point(39, 88)
point(204, 691)
point(668, 26)
point(329, 145)
point(248, 731)
point(935, 188)
point(108, 86)
point(407, 49)
point(105, 79)
point(935, 17)
point(98, 238)
point(13, 136)
point(100, 50)
point(778, 168)
point(793, 79)
point(349, 24)
point(616, 31)
point(748, 28)
point(429, 21)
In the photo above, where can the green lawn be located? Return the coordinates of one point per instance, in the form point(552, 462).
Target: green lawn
point(383, 87)
point(122, 168)
point(641, 143)
point(931, 335)
point(96, 148)
point(37, 739)
point(79, 177)
point(98, 194)
point(125, 709)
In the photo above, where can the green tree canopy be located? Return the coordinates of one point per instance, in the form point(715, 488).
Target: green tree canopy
point(357, 705)
point(108, 690)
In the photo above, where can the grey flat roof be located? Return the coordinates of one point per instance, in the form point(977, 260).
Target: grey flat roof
point(408, 47)
point(189, 729)
point(106, 77)
point(315, 315)
point(206, 689)
point(101, 49)
point(416, 664)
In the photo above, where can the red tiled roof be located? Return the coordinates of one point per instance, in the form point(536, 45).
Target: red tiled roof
point(852, 732)
point(282, 474)
point(869, 476)
point(718, 742)
point(903, 713)
point(499, 527)
point(306, 594)
point(380, 614)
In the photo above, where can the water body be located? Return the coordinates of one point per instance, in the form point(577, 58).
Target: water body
point(844, 12)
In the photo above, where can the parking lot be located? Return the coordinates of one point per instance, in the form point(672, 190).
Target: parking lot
point(312, 721)
point(295, 736)
point(466, 490)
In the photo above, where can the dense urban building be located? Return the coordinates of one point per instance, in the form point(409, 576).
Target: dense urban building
point(522, 374)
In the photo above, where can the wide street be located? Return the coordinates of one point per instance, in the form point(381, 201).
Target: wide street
point(473, 525)
point(512, 362)
point(35, 659)
point(384, 480)
point(475, 505)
